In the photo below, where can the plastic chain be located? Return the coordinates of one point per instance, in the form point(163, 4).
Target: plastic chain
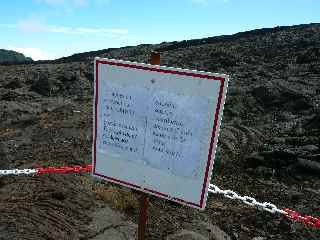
point(64, 170)
point(305, 219)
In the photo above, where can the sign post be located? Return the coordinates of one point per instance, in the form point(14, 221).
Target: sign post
point(144, 199)
point(156, 129)
point(144, 203)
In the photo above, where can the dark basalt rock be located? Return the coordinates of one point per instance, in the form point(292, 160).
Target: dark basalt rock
point(13, 84)
point(268, 146)
point(44, 85)
point(272, 97)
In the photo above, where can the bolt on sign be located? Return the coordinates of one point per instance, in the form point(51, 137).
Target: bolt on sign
point(156, 128)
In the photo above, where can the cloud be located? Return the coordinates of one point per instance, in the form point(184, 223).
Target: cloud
point(34, 53)
point(118, 31)
point(34, 25)
point(30, 25)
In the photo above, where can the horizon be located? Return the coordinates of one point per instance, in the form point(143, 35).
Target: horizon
point(51, 29)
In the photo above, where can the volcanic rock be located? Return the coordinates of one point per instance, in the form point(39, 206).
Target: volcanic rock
point(269, 141)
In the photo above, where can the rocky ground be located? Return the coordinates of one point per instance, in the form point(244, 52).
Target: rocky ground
point(269, 145)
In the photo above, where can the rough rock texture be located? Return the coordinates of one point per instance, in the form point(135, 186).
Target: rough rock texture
point(109, 224)
point(199, 230)
point(269, 143)
point(187, 235)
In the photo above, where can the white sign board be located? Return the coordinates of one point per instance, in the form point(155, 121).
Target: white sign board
point(156, 128)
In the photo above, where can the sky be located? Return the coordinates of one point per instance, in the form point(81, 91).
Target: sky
point(49, 29)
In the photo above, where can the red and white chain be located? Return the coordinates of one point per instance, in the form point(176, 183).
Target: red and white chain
point(307, 220)
point(43, 170)
point(269, 207)
point(18, 172)
point(63, 169)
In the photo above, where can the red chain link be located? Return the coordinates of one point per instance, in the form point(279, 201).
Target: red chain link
point(306, 219)
point(74, 169)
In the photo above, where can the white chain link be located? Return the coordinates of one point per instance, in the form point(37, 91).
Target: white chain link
point(18, 172)
point(269, 207)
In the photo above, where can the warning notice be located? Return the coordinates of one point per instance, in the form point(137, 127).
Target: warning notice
point(162, 128)
point(156, 128)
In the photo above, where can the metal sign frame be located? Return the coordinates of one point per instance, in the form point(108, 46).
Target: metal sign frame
point(183, 77)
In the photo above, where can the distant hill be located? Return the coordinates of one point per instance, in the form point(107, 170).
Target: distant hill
point(298, 35)
point(9, 56)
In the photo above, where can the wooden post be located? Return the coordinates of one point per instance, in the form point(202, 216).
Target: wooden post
point(144, 203)
point(144, 199)
point(155, 58)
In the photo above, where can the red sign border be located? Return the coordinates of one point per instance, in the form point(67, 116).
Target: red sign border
point(166, 71)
